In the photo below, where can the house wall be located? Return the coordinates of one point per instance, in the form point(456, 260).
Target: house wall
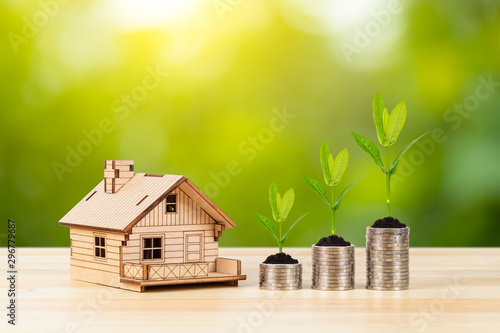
point(173, 227)
point(85, 266)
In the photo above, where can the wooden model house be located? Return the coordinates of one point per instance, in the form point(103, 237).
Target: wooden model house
point(135, 230)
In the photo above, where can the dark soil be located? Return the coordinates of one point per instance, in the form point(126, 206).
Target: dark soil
point(333, 240)
point(388, 222)
point(280, 258)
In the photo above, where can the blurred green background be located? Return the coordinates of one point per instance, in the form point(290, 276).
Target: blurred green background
point(71, 69)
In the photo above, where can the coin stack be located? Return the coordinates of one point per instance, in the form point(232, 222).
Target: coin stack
point(280, 276)
point(387, 258)
point(333, 267)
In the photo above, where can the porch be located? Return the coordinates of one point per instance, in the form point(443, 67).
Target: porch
point(145, 275)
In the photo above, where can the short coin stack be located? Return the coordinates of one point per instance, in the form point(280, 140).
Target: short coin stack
point(387, 258)
point(333, 267)
point(280, 276)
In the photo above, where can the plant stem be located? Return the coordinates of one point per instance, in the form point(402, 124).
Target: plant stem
point(388, 181)
point(280, 243)
point(333, 209)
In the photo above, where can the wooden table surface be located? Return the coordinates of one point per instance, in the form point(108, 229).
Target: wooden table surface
point(451, 290)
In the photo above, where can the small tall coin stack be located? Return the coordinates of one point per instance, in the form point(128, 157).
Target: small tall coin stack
point(333, 267)
point(280, 276)
point(387, 258)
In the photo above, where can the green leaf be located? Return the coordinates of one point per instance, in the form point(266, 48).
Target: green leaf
point(340, 166)
point(266, 223)
point(339, 199)
point(317, 188)
point(395, 124)
point(324, 155)
point(278, 204)
point(273, 195)
point(286, 204)
point(370, 148)
point(394, 165)
point(386, 120)
point(285, 235)
point(378, 108)
point(331, 162)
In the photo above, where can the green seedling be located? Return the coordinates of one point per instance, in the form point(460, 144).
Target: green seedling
point(388, 129)
point(333, 170)
point(280, 207)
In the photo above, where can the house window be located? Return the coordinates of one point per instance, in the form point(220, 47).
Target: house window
point(152, 248)
point(171, 203)
point(100, 247)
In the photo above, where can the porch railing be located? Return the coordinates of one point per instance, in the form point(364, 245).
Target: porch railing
point(164, 271)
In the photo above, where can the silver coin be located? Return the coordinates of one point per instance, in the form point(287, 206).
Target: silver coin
point(388, 270)
point(387, 282)
point(388, 264)
point(387, 288)
point(387, 237)
point(387, 240)
point(333, 286)
point(328, 282)
point(334, 268)
point(332, 256)
point(390, 247)
point(325, 263)
point(387, 258)
point(332, 279)
point(389, 276)
point(386, 252)
point(329, 278)
point(322, 288)
point(388, 285)
point(280, 289)
point(387, 233)
point(385, 270)
point(334, 264)
point(280, 278)
point(333, 271)
point(387, 244)
point(332, 283)
point(280, 286)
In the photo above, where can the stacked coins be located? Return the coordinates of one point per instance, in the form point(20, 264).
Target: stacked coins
point(280, 276)
point(387, 258)
point(333, 267)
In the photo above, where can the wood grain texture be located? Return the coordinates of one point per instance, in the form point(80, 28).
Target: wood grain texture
point(451, 290)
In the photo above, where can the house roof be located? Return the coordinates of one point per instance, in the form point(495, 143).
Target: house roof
point(120, 211)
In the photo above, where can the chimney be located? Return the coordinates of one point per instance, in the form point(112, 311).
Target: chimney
point(117, 174)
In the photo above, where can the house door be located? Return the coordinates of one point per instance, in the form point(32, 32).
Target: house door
point(193, 246)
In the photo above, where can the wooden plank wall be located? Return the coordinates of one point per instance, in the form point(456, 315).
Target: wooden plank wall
point(85, 267)
point(173, 243)
point(188, 213)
